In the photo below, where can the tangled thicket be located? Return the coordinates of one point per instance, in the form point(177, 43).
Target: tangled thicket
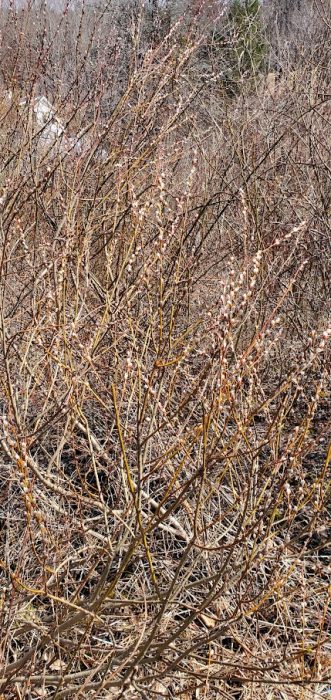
point(164, 366)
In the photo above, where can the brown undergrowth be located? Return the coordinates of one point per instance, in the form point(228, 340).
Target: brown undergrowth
point(165, 459)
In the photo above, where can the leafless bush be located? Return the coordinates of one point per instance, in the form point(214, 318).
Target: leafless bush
point(164, 373)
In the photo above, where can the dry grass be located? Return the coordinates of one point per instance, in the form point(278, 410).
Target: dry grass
point(164, 369)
